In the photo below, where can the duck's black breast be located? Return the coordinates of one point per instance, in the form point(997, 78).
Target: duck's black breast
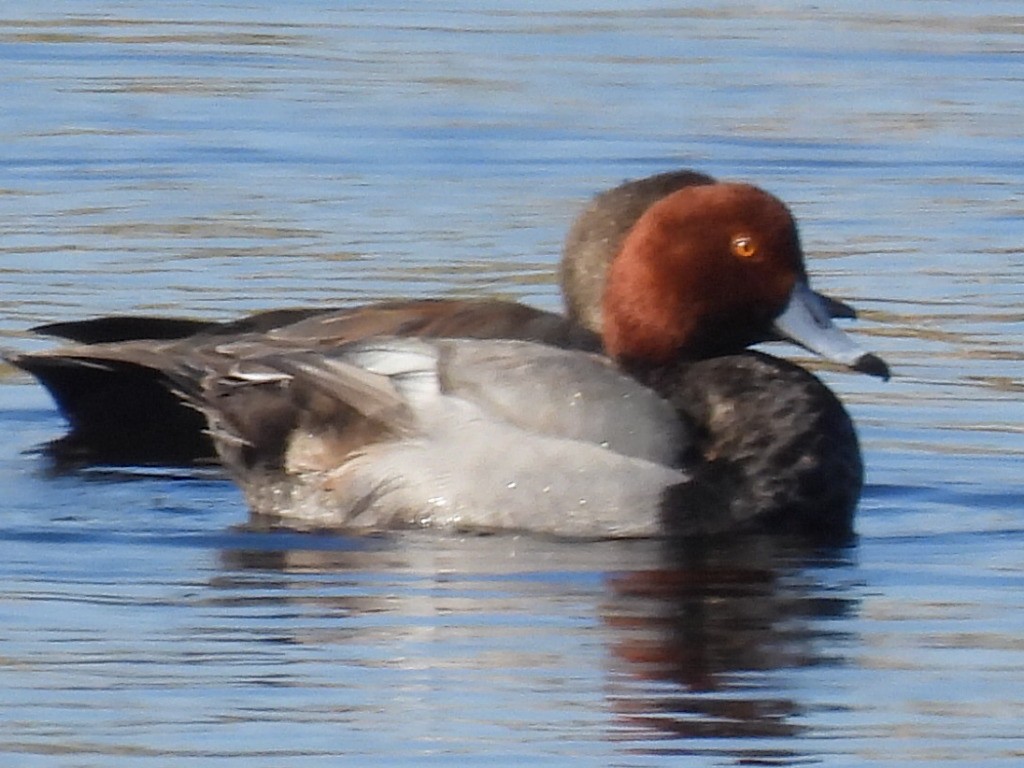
point(775, 449)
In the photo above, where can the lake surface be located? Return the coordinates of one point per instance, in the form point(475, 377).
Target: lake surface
point(216, 158)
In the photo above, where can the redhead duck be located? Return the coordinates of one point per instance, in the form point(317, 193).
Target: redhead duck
point(494, 416)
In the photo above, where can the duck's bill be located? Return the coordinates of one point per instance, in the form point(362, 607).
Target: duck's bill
point(807, 321)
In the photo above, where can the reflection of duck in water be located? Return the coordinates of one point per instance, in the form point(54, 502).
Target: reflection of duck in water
point(672, 640)
point(713, 622)
point(498, 416)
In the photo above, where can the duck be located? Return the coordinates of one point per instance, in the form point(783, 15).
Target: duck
point(640, 412)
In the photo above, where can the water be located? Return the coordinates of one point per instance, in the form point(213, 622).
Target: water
point(223, 157)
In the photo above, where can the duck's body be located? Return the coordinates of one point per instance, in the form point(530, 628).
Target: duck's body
point(484, 435)
point(422, 424)
point(494, 416)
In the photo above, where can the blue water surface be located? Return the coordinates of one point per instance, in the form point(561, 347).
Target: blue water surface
point(213, 158)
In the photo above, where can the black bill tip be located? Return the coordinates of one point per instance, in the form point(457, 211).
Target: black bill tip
point(872, 365)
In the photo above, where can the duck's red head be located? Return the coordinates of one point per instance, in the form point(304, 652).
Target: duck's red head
point(704, 271)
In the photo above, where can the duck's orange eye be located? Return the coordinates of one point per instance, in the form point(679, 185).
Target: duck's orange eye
point(743, 246)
